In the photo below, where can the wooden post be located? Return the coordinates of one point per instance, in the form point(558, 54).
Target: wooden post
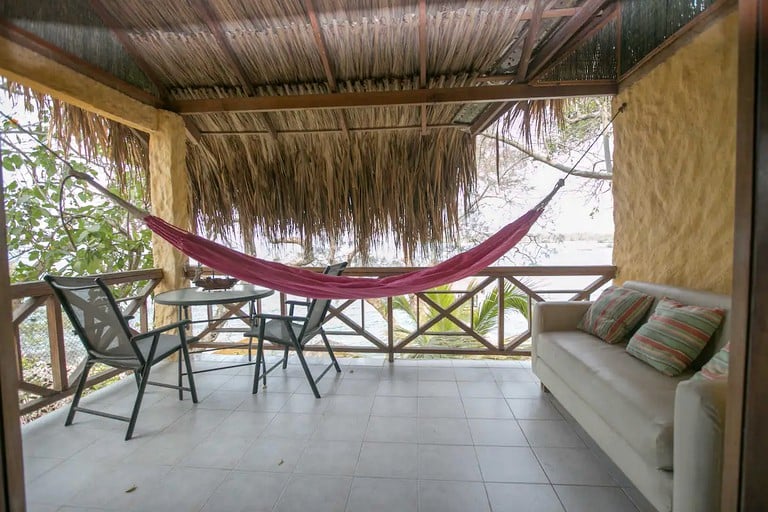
point(169, 185)
point(11, 460)
point(56, 340)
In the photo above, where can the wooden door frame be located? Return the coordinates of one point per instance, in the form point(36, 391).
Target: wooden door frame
point(11, 460)
point(745, 458)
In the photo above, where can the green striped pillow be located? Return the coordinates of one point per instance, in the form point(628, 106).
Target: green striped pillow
point(674, 335)
point(615, 313)
point(717, 367)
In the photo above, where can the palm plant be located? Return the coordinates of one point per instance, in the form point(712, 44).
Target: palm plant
point(481, 314)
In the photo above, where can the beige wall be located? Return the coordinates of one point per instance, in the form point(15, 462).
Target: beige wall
point(674, 166)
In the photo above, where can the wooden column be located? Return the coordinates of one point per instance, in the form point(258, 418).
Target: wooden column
point(169, 186)
point(11, 460)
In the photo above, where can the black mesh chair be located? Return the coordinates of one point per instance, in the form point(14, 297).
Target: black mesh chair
point(293, 332)
point(108, 339)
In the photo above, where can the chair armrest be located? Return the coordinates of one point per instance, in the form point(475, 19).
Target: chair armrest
point(294, 303)
point(285, 318)
point(557, 316)
point(698, 445)
point(161, 330)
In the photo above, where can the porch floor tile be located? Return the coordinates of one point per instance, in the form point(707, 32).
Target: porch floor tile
point(414, 435)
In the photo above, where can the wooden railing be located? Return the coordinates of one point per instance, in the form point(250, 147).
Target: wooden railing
point(442, 326)
point(444, 321)
point(28, 298)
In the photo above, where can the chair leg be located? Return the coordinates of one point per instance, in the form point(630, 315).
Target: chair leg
point(137, 404)
point(330, 351)
point(181, 391)
point(190, 375)
point(300, 354)
point(285, 358)
point(250, 349)
point(259, 364)
point(137, 376)
point(78, 392)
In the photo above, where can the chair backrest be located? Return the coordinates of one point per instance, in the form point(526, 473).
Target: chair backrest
point(95, 316)
point(318, 308)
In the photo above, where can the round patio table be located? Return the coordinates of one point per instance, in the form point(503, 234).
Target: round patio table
point(185, 298)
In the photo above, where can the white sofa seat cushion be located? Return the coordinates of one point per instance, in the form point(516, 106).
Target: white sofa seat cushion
point(631, 397)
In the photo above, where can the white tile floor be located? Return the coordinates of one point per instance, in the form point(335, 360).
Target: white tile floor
point(417, 435)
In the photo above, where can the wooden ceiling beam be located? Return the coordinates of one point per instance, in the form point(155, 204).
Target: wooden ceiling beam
point(594, 26)
point(491, 114)
point(545, 54)
point(534, 25)
point(118, 30)
point(487, 94)
point(43, 48)
point(322, 49)
point(208, 16)
point(321, 131)
point(423, 59)
point(553, 13)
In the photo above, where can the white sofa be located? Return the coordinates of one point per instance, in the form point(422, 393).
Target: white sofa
point(664, 433)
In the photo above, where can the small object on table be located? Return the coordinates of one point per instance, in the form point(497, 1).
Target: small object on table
point(215, 283)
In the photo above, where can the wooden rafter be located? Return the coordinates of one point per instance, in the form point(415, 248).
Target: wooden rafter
point(491, 114)
point(354, 130)
point(42, 47)
point(534, 25)
point(206, 13)
point(489, 94)
point(322, 49)
point(423, 59)
point(553, 13)
point(545, 54)
point(587, 32)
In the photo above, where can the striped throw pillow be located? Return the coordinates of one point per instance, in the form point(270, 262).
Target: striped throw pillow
point(717, 367)
point(615, 313)
point(674, 335)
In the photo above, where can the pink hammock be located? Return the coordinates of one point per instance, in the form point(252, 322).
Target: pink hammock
point(311, 284)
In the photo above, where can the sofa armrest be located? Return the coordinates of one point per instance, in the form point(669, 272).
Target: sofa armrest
point(557, 316)
point(698, 445)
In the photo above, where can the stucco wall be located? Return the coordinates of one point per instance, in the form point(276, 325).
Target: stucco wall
point(674, 166)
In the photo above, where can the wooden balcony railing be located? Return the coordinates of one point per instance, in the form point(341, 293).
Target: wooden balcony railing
point(473, 317)
point(445, 321)
point(48, 356)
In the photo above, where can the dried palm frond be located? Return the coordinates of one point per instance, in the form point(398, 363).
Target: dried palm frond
point(533, 118)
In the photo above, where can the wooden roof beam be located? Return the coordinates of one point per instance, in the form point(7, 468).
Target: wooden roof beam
point(552, 13)
point(564, 35)
point(487, 94)
point(423, 59)
point(530, 40)
point(206, 13)
point(589, 30)
point(322, 49)
point(491, 114)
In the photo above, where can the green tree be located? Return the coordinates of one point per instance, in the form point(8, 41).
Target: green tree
point(69, 230)
point(482, 316)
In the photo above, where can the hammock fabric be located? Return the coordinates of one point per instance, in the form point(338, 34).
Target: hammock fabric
point(311, 284)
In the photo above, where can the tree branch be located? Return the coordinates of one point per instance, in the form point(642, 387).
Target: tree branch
point(543, 159)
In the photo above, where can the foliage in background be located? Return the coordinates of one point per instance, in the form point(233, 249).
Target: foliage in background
point(100, 236)
point(481, 313)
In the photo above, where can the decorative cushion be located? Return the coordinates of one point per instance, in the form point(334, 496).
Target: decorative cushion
point(615, 313)
point(674, 335)
point(717, 367)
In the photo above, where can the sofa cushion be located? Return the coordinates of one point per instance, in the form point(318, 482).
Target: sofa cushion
point(674, 335)
point(717, 367)
point(630, 396)
point(615, 313)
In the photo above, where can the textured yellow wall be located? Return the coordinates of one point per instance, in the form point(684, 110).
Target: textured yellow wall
point(674, 166)
point(169, 185)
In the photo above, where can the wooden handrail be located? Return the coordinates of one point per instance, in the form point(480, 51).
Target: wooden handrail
point(41, 288)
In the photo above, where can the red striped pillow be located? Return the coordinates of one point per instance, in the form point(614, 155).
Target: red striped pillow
point(674, 335)
point(615, 313)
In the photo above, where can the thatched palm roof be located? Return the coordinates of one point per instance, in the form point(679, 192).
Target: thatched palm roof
point(332, 163)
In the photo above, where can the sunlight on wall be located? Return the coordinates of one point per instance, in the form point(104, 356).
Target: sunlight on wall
point(675, 162)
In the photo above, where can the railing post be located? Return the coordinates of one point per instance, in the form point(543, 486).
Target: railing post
point(390, 330)
point(56, 339)
point(500, 321)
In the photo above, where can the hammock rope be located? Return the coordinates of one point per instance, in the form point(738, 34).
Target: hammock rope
point(307, 283)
